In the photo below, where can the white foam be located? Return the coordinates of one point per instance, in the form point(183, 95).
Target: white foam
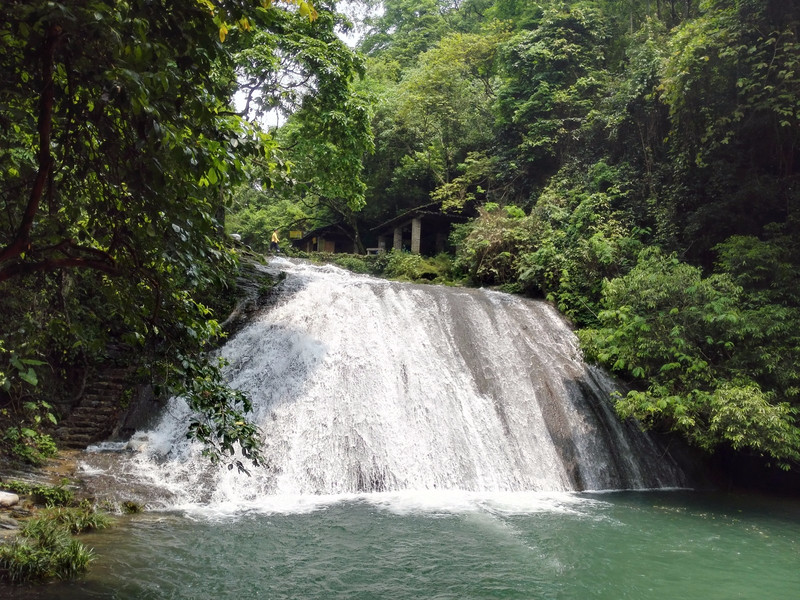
point(403, 503)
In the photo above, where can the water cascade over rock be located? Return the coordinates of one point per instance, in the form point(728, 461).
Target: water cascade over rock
point(364, 385)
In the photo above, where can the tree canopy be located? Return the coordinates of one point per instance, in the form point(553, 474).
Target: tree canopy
point(120, 145)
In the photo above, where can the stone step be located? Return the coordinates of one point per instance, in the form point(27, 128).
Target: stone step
point(76, 445)
point(95, 405)
point(107, 384)
point(86, 426)
point(102, 393)
point(79, 437)
point(90, 399)
point(92, 417)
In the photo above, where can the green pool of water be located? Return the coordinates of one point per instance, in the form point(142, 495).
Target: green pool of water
point(666, 545)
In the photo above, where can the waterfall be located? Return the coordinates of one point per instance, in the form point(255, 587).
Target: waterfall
point(366, 385)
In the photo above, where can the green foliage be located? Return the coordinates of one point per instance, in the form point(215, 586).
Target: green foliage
point(396, 264)
point(588, 130)
point(414, 267)
point(315, 177)
point(27, 444)
point(433, 122)
point(583, 234)
point(406, 28)
point(731, 75)
point(356, 264)
point(554, 75)
point(49, 495)
point(219, 420)
point(21, 437)
point(745, 417)
point(118, 145)
point(45, 550)
point(130, 507)
point(678, 337)
point(618, 127)
point(74, 520)
point(488, 248)
point(768, 272)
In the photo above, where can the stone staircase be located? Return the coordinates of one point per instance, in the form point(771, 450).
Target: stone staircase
point(97, 413)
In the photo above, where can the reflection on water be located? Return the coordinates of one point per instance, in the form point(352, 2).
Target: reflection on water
point(610, 546)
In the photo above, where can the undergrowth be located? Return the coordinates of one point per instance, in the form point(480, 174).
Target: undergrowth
point(45, 548)
point(395, 264)
point(49, 495)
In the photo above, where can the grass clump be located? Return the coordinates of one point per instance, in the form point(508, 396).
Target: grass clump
point(45, 548)
point(74, 520)
point(129, 507)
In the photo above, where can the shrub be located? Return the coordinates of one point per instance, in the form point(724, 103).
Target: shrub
point(129, 507)
point(351, 262)
point(28, 445)
point(488, 248)
point(675, 335)
point(44, 550)
point(415, 267)
point(74, 520)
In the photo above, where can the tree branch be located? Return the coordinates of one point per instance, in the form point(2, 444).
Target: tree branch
point(52, 264)
point(21, 240)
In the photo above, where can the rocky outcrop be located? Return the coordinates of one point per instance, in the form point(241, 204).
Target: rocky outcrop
point(8, 499)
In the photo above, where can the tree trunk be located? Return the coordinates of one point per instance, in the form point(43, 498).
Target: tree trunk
point(21, 241)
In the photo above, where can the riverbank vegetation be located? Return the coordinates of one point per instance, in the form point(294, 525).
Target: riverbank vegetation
point(395, 264)
point(45, 547)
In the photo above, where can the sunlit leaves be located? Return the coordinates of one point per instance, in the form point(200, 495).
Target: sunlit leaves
point(683, 337)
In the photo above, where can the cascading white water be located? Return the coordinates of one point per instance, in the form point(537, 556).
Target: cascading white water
point(364, 385)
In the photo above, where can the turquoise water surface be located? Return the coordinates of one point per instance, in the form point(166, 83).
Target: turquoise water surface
point(680, 545)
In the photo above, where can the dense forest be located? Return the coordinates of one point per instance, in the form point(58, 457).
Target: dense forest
point(633, 161)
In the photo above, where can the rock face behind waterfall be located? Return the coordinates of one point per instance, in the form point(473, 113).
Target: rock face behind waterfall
point(362, 385)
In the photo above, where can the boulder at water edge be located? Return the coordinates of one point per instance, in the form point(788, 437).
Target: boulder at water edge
point(8, 499)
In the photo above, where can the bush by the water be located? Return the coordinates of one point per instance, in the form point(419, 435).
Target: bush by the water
point(45, 548)
point(394, 264)
point(415, 267)
point(74, 520)
point(49, 495)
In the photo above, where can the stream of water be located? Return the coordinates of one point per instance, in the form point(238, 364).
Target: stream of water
point(423, 442)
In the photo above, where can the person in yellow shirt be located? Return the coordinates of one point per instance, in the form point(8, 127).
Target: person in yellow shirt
point(273, 244)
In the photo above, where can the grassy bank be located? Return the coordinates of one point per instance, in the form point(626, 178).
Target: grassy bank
point(45, 546)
